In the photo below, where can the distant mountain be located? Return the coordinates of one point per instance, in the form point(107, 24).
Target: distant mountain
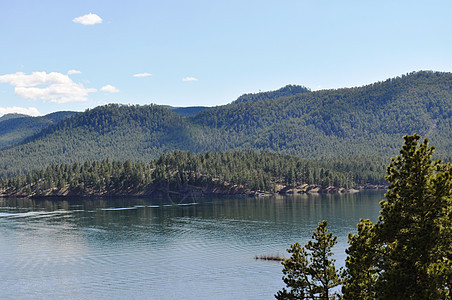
point(12, 116)
point(16, 127)
point(367, 121)
point(288, 90)
point(113, 131)
point(364, 120)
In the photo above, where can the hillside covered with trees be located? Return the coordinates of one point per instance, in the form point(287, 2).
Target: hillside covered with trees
point(349, 124)
point(16, 127)
point(368, 119)
point(182, 173)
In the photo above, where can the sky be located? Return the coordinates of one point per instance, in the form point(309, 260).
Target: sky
point(73, 55)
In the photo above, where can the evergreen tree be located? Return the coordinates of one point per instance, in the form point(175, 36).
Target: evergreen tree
point(407, 254)
point(310, 272)
point(296, 275)
point(415, 224)
point(361, 264)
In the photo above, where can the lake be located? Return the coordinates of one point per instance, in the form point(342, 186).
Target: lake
point(162, 249)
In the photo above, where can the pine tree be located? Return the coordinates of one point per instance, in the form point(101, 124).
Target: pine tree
point(415, 223)
point(296, 275)
point(361, 270)
point(310, 272)
point(407, 254)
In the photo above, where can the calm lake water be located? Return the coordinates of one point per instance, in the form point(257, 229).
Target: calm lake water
point(155, 249)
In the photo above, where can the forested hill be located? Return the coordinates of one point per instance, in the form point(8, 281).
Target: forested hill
point(288, 90)
point(12, 116)
point(369, 119)
point(113, 131)
point(188, 111)
point(16, 127)
point(363, 121)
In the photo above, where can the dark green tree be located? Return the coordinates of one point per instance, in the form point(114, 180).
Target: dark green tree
point(407, 253)
point(310, 272)
point(361, 270)
point(296, 275)
point(415, 224)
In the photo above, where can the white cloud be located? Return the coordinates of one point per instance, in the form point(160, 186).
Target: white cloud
point(70, 72)
point(189, 79)
point(31, 111)
point(142, 75)
point(36, 78)
point(109, 88)
point(53, 86)
point(89, 19)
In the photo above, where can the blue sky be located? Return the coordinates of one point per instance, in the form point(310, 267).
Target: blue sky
point(74, 55)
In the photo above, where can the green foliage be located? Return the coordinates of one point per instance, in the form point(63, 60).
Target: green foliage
point(356, 121)
point(118, 132)
point(296, 275)
point(288, 90)
point(407, 253)
point(227, 172)
point(15, 127)
point(310, 272)
point(188, 111)
point(362, 264)
point(344, 124)
point(12, 116)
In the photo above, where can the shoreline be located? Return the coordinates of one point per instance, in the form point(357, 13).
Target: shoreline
point(196, 192)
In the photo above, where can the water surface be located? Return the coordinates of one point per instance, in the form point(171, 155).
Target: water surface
point(160, 249)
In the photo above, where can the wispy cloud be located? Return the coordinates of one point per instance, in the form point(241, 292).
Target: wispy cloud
point(89, 19)
point(142, 75)
point(189, 79)
point(31, 111)
point(70, 72)
point(57, 88)
point(109, 88)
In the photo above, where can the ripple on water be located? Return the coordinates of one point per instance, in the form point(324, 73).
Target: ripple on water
point(152, 251)
point(118, 208)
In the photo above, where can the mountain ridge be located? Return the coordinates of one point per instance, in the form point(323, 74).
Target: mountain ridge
point(368, 120)
point(14, 128)
point(10, 116)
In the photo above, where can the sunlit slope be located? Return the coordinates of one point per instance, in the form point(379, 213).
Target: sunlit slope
point(112, 131)
point(14, 127)
point(368, 120)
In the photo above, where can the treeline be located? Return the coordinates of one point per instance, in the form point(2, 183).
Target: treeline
point(173, 172)
point(349, 122)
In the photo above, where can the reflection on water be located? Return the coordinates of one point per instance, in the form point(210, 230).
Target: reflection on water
point(161, 249)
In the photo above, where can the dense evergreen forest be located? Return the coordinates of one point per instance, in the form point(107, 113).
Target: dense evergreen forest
point(288, 90)
point(12, 116)
point(16, 127)
point(370, 119)
point(187, 111)
point(182, 173)
point(349, 124)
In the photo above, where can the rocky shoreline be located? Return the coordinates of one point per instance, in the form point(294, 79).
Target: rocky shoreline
point(190, 191)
